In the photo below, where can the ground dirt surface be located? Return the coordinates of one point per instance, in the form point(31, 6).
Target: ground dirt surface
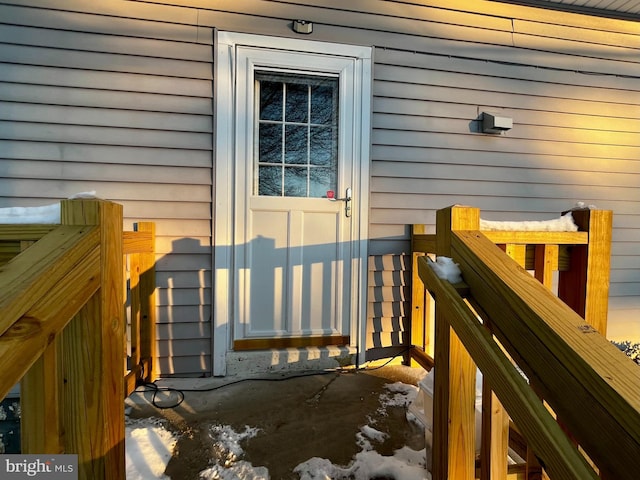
point(308, 415)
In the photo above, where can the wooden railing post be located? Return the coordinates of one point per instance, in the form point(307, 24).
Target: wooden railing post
point(40, 396)
point(147, 287)
point(40, 402)
point(585, 286)
point(455, 373)
point(92, 346)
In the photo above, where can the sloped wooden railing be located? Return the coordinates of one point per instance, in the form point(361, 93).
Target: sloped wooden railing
point(591, 410)
point(62, 328)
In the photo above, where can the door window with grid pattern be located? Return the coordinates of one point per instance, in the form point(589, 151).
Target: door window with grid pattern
point(297, 135)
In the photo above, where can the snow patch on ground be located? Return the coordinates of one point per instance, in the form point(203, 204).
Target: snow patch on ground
point(401, 395)
point(367, 434)
point(227, 442)
point(405, 464)
point(149, 447)
point(228, 456)
point(241, 470)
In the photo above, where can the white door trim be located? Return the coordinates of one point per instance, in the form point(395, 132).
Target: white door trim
point(224, 283)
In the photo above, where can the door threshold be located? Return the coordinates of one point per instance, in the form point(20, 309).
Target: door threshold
point(290, 342)
point(283, 360)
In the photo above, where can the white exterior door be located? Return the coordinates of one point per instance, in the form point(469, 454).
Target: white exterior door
point(297, 166)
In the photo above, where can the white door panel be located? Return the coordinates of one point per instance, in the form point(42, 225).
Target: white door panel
point(297, 272)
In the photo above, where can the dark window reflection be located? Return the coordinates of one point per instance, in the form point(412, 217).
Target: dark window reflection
point(271, 94)
point(270, 143)
point(270, 181)
point(297, 102)
point(295, 182)
point(323, 110)
point(323, 148)
point(295, 144)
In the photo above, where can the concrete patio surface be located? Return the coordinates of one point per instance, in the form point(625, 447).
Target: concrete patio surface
point(299, 415)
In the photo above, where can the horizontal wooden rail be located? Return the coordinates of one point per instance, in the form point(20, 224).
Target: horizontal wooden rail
point(426, 242)
point(18, 232)
point(137, 242)
point(16, 241)
point(537, 238)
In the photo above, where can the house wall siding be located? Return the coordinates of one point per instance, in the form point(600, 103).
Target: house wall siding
point(116, 96)
point(123, 106)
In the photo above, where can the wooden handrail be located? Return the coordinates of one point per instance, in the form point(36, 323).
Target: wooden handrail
point(591, 386)
point(523, 405)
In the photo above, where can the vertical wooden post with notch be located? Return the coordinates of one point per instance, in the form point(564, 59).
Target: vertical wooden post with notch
point(455, 374)
point(585, 286)
point(92, 346)
point(147, 286)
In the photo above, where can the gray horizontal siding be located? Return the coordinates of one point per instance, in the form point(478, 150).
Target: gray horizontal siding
point(123, 106)
point(132, 99)
point(107, 154)
point(101, 117)
point(75, 170)
point(73, 19)
point(388, 302)
point(38, 132)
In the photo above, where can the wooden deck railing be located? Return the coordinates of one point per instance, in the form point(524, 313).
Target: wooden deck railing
point(140, 285)
point(62, 330)
point(579, 404)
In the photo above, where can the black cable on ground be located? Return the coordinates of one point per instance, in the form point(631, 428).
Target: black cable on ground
point(152, 387)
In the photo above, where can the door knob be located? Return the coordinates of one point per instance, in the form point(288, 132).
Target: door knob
point(331, 196)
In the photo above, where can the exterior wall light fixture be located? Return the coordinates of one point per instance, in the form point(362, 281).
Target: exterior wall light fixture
point(495, 124)
point(303, 26)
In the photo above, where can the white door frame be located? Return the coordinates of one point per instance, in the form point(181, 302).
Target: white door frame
point(224, 283)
